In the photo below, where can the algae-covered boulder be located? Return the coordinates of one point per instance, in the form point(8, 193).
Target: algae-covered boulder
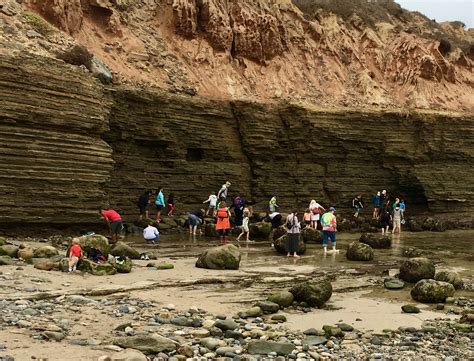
point(121, 249)
point(123, 265)
point(415, 269)
point(97, 269)
point(431, 291)
point(95, 241)
point(375, 241)
point(393, 284)
point(210, 230)
point(411, 252)
point(280, 245)
point(6, 261)
point(357, 251)
point(311, 235)
point(223, 257)
point(3, 241)
point(410, 309)
point(278, 232)
point(45, 252)
point(268, 306)
point(314, 293)
point(413, 225)
point(9, 250)
point(284, 298)
point(434, 225)
point(164, 265)
point(260, 230)
point(450, 277)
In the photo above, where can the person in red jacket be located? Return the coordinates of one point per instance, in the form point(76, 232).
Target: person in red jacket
point(75, 254)
point(114, 221)
point(223, 223)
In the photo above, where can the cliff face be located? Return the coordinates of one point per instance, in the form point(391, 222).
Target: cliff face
point(378, 56)
point(68, 144)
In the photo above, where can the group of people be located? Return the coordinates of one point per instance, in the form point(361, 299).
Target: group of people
point(394, 214)
point(155, 198)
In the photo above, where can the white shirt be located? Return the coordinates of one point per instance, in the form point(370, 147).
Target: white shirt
point(150, 232)
point(212, 200)
point(272, 215)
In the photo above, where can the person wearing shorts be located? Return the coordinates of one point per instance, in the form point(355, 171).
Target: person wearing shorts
point(114, 221)
point(245, 225)
point(329, 224)
point(212, 200)
point(315, 210)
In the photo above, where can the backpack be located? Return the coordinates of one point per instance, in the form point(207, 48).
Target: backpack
point(316, 210)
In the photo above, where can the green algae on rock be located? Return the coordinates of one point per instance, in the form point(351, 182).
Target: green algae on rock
point(431, 291)
point(223, 257)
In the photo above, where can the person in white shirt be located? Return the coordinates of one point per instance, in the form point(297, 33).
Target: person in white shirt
point(212, 200)
point(151, 234)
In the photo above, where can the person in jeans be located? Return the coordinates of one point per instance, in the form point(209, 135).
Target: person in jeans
point(293, 229)
point(329, 223)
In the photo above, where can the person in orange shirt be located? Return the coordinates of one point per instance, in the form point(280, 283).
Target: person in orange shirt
point(223, 223)
point(75, 253)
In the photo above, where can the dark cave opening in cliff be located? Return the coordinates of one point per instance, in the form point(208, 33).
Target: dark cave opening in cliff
point(194, 154)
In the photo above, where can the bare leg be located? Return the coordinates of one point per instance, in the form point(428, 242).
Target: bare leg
point(190, 229)
point(295, 255)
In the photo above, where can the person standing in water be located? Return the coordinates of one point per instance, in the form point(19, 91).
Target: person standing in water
point(238, 204)
point(245, 225)
point(315, 209)
point(142, 203)
point(397, 219)
point(114, 221)
point(160, 203)
point(329, 223)
point(195, 218)
point(223, 223)
point(293, 229)
point(384, 219)
point(272, 205)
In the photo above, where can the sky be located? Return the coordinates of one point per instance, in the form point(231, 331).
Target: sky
point(443, 10)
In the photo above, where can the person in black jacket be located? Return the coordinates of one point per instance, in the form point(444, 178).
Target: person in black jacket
point(142, 203)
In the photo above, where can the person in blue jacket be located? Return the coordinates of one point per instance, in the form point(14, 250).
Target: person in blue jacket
point(159, 203)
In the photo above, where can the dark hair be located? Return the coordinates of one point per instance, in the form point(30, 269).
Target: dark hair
point(294, 211)
point(222, 205)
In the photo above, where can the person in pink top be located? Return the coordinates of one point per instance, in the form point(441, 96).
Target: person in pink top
point(114, 221)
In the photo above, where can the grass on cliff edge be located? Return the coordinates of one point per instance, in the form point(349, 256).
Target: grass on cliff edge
point(38, 23)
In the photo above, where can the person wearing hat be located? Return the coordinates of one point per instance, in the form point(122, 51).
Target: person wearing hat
point(328, 220)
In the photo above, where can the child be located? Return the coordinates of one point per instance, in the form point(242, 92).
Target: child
point(75, 253)
point(245, 225)
point(307, 217)
point(212, 200)
point(170, 204)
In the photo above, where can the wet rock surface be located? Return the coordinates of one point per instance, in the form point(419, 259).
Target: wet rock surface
point(223, 257)
point(432, 291)
point(357, 251)
point(416, 269)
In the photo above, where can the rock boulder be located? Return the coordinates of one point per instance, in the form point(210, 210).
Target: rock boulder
point(450, 277)
point(97, 242)
point(311, 235)
point(97, 269)
point(280, 245)
point(223, 257)
point(314, 293)
point(375, 240)
point(9, 250)
point(431, 291)
point(45, 252)
point(121, 249)
point(415, 269)
point(357, 251)
point(265, 347)
point(283, 299)
point(260, 230)
point(152, 343)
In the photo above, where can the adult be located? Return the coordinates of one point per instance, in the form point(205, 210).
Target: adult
point(275, 219)
point(159, 203)
point(114, 221)
point(397, 219)
point(195, 218)
point(293, 230)
point(315, 210)
point(223, 223)
point(384, 198)
point(357, 205)
point(142, 204)
point(384, 219)
point(329, 223)
point(272, 205)
point(222, 194)
point(376, 202)
point(151, 234)
point(238, 204)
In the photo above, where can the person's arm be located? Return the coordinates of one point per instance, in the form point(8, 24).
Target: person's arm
point(208, 200)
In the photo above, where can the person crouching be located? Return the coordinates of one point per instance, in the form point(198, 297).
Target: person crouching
point(151, 234)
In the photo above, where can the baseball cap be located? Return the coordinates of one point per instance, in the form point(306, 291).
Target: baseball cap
point(332, 209)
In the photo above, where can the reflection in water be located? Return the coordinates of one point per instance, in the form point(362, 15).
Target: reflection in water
point(451, 248)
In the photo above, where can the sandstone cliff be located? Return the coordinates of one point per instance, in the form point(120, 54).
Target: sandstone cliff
point(68, 143)
point(351, 53)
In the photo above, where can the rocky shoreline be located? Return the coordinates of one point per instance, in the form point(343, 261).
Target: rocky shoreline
point(126, 316)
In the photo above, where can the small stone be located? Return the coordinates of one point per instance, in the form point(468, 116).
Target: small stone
point(410, 309)
point(56, 336)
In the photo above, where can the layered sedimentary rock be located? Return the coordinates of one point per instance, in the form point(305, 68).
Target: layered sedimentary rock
point(53, 161)
point(68, 144)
